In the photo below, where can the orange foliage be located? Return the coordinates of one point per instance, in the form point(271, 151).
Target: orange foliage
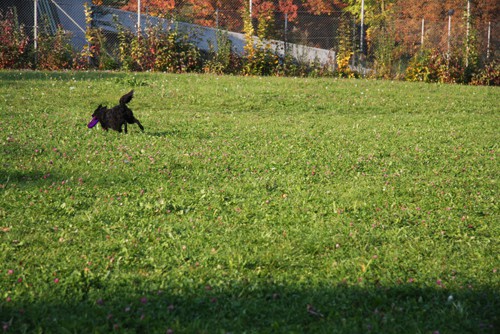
point(154, 7)
point(320, 6)
point(289, 8)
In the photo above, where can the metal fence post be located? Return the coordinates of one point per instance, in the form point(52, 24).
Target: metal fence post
point(353, 34)
point(217, 33)
point(138, 17)
point(35, 29)
point(285, 37)
point(450, 13)
point(362, 23)
point(217, 18)
point(488, 44)
point(467, 41)
point(423, 32)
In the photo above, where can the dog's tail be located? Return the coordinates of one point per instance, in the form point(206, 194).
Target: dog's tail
point(127, 98)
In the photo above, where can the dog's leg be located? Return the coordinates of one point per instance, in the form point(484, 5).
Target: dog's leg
point(139, 123)
point(125, 127)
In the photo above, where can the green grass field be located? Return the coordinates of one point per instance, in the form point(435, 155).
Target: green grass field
point(249, 205)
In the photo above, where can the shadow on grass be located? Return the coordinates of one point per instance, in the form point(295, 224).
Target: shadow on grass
point(163, 133)
point(55, 75)
point(18, 177)
point(13, 172)
point(255, 309)
point(176, 133)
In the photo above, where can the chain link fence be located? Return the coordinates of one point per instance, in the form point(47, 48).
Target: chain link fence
point(386, 48)
point(325, 32)
point(339, 30)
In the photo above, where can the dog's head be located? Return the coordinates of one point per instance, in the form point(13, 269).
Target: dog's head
point(97, 116)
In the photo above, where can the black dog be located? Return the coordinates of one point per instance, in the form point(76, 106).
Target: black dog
point(115, 117)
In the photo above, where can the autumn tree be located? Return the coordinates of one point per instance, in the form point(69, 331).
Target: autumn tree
point(398, 20)
point(204, 8)
point(160, 8)
point(410, 14)
point(112, 3)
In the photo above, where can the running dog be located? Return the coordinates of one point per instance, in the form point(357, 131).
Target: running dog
point(115, 117)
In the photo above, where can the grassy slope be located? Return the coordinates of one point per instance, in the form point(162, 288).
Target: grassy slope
point(246, 200)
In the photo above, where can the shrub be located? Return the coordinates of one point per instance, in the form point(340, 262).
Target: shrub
point(13, 41)
point(260, 58)
point(173, 52)
point(434, 66)
point(263, 61)
point(54, 51)
point(222, 60)
point(488, 76)
point(158, 50)
point(343, 69)
point(94, 54)
point(424, 67)
point(125, 47)
point(384, 52)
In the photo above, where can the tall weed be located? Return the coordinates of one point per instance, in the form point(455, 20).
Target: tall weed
point(54, 51)
point(13, 41)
